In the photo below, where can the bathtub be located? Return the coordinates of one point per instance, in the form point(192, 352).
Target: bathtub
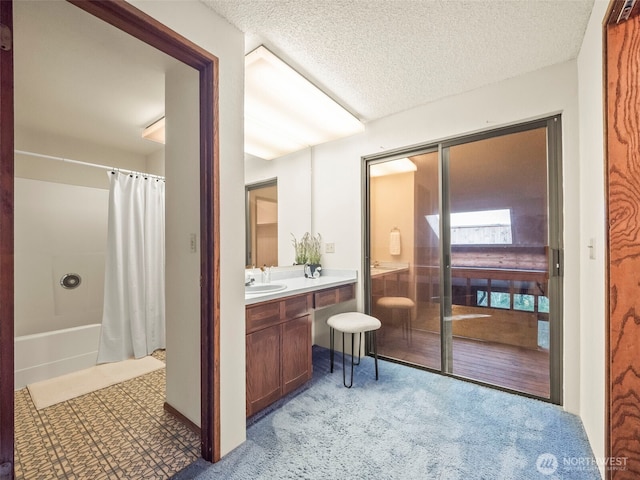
point(46, 355)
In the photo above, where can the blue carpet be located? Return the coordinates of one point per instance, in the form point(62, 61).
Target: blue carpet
point(411, 424)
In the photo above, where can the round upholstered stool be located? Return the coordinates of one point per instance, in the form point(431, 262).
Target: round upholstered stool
point(403, 304)
point(352, 322)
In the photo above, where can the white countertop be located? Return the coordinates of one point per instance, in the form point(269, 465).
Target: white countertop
point(296, 283)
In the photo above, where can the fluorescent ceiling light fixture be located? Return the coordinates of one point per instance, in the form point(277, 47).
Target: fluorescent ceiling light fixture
point(155, 131)
point(284, 112)
point(402, 165)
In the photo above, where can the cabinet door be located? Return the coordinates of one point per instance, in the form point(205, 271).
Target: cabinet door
point(296, 353)
point(263, 368)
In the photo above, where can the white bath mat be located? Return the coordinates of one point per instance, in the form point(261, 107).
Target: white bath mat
point(72, 385)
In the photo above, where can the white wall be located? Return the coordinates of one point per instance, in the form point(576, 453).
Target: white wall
point(294, 195)
point(199, 24)
point(337, 198)
point(154, 163)
point(59, 229)
point(33, 141)
point(592, 226)
point(182, 218)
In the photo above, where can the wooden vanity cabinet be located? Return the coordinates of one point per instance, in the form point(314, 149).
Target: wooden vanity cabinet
point(278, 349)
point(263, 368)
point(279, 343)
point(296, 353)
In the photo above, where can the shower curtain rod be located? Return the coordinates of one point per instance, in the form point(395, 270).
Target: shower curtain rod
point(87, 164)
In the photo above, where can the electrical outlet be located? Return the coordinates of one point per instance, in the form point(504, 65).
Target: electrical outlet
point(330, 248)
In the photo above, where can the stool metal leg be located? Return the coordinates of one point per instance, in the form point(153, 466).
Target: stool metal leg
point(359, 348)
point(344, 373)
point(331, 341)
point(375, 351)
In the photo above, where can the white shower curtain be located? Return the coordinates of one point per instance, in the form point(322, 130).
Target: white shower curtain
point(133, 320)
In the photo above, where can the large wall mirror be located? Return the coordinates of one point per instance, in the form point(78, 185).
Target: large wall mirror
point(281, 186)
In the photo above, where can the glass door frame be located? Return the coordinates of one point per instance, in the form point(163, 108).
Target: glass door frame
point(553, 126)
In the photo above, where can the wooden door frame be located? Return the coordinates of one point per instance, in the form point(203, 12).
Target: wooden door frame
point(6, 251)
point(133, 21)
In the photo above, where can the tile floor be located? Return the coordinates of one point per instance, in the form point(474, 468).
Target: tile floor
point(119, 432)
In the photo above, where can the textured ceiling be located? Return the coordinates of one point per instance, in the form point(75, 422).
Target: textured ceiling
point(76, 76)
point(379, 57)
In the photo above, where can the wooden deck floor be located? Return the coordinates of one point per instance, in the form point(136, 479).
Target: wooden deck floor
point(521, 369)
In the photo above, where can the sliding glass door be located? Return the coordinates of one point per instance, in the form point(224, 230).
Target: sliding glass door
point(499, 241)
point(405, 257)
point(463, 257)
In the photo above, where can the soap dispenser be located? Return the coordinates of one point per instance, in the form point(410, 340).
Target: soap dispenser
point(266, 274)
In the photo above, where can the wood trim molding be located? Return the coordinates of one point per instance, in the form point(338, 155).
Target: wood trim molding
point(188, 423)
point(210, 258)
point(6, 253)
point(128, 18)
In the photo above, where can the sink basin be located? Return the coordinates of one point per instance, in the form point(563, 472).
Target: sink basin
point(264, 287)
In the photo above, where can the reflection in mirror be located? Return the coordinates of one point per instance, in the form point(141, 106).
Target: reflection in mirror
point(294, 179)
point(262, 223)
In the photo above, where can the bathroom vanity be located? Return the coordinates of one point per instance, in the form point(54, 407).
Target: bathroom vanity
point(278, 342)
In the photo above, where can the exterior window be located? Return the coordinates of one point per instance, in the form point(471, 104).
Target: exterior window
point(523, 302)
point(543, 304)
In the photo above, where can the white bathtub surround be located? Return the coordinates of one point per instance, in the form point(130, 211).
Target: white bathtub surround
point(46, 355)
point(133, 323)
point(59, 229)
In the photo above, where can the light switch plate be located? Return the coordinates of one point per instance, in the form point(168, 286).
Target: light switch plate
point(193, 243)
point(592, 248)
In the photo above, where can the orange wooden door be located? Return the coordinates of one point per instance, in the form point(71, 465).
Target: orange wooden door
point(623, 204)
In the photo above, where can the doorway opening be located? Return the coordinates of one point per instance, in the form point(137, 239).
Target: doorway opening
point(131, 20)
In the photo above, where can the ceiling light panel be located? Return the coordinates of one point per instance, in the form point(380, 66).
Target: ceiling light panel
point(155, 132)
point(295, 112)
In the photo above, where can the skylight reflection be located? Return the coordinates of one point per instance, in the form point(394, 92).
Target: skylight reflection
point(486, 227)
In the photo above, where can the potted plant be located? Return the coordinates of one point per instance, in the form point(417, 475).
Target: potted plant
point(314, 252)
point(300, 249)
point(308, 252)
